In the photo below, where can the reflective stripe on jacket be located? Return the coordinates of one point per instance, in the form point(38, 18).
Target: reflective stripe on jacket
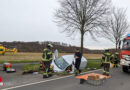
point(106, 58)
point(47, 55)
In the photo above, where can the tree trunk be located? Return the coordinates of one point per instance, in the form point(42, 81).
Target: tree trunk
point(82, 43)
point(116, 47)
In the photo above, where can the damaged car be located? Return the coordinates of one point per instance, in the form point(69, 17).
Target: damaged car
point(65, 63)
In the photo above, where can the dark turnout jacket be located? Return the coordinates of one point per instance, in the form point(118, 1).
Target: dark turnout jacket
point(78, 54)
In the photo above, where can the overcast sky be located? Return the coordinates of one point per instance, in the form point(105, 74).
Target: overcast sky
point(33, 20)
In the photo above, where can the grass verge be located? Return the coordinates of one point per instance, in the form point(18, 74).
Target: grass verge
point(31, 68)
point(91, 65)
point(95, 64)
point(20, 61)
point(32, 61)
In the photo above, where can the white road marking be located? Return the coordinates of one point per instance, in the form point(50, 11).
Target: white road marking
point(45, 81)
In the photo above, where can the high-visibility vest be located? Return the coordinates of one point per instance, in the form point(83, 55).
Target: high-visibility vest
point(47, 55)
point(107, 57)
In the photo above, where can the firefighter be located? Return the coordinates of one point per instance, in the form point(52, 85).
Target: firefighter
point(116, 59)
point(47, 59)
point(106, 60)
point(78, 57)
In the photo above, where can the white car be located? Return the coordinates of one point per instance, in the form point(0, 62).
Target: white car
point(65, 63)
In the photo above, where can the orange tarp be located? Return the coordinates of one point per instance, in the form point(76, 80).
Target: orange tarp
point(85, 77)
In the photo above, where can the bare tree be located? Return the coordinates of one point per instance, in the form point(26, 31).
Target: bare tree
point(116, 26)
point(81, 16)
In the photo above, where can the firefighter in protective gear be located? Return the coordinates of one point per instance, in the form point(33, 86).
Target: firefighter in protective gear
point(106, 60)
point(116, 59)
point(47, 59)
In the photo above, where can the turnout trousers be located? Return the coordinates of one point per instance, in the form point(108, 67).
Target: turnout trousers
point(47, 68)
point(106, 69)
point(77, 66)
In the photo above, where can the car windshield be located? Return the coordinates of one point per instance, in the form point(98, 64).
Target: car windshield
point(126, 44)
point(61, 63)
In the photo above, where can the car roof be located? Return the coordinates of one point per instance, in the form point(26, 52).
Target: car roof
point(70, 58)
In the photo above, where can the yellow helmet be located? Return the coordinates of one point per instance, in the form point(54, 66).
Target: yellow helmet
point(50, 45)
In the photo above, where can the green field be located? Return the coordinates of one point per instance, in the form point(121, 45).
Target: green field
point(36, 57)
point(93, 60)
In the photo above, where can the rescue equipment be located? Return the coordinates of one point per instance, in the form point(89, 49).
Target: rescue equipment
point(7, 67)
point(93, 78)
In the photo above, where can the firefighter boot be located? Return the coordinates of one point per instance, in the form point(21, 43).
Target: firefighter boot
point(45, 74)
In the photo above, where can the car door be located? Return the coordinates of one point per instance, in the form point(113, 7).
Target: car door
point(55, 55)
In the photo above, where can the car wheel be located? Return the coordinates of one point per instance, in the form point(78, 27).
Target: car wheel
point(125, 68)
point(82, 81)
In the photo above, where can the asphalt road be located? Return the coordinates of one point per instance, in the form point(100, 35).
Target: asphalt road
point(118, 81)
point(16, 79)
